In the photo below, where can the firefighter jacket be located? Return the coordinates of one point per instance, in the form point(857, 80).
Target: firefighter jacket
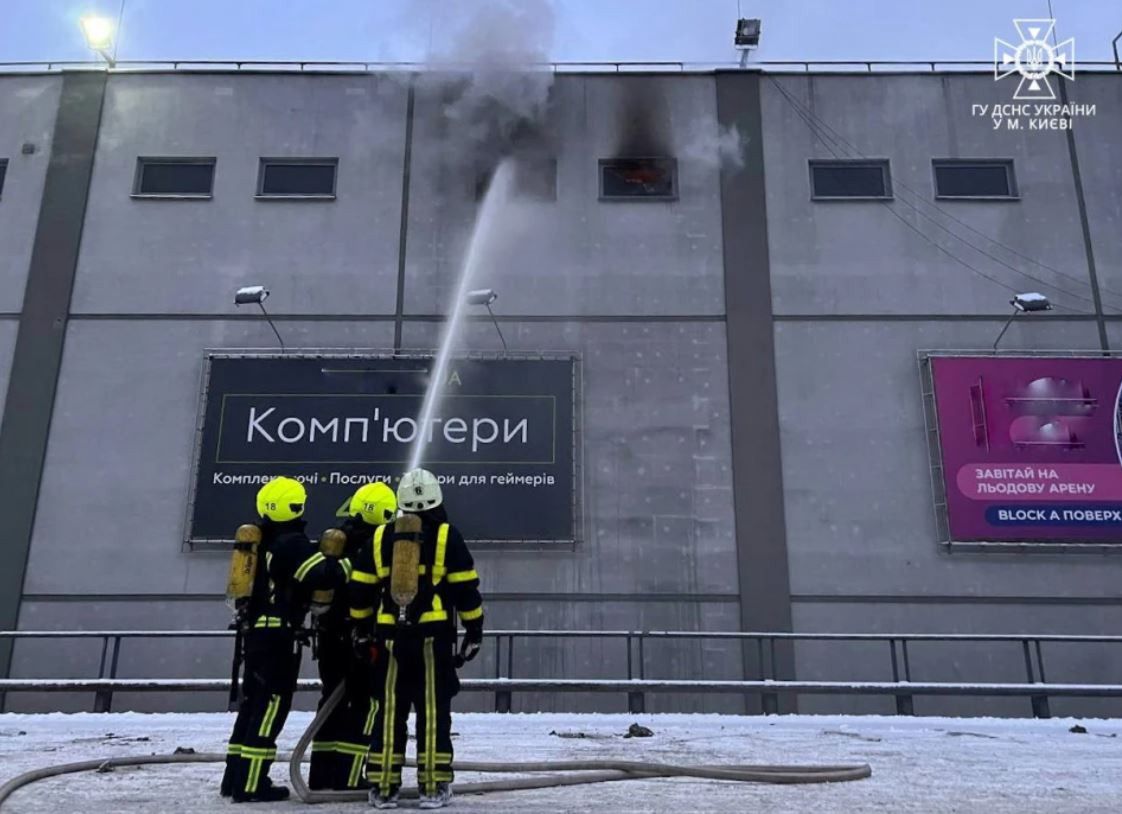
point(447, 583)
point(289, 569)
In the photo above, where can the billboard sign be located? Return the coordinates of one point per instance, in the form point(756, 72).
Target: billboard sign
point(1030, 447)
point(502, 440)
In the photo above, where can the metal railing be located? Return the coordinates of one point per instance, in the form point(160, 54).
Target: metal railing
point(767, 685)
point(661, 66)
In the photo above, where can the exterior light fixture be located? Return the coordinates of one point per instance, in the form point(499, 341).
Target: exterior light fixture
point(747, 37)
point(484, 297)
point(256, 295)
point(98, 32)
point(1028, 303)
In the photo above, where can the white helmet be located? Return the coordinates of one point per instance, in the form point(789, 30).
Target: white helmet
point(419, 491)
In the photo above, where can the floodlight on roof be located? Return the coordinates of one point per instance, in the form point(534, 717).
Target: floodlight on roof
point(98, 32)
point(747, 32)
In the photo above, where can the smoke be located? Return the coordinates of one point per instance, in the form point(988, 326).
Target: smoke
point(644, 129)
point(643, 122)
point(504, 48)
point(717, 148)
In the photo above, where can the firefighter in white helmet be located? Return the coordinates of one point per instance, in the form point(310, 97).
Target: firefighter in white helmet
point(407, 588)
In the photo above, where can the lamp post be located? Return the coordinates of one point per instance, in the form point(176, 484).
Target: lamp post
point(98, 32)
point(747, 37)
point(484, 297)
point(1027, 303)
point(256, 295)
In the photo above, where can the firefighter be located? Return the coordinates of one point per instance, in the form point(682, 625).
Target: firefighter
point(289, 569)
point(341, 745)
point(406, 589)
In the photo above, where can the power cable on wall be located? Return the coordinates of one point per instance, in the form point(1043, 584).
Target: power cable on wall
point(808, 117)
point(117, 33)
point(839, 139)
point(928, 239)
point(812, 122)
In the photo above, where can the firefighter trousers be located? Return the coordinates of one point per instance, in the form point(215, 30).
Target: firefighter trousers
point(272, 664)
point(340, 748)
point(414, 672)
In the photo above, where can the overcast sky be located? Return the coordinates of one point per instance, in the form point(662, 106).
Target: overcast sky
point(594, 30)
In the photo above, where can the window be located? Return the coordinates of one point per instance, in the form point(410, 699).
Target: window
point(638, 179)
point(3, 172)
point(534, 179)
point(174, 178)
point(297, 178)
point(850, 180)
point(986, 179)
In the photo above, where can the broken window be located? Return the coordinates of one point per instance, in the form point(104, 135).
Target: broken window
point(638, 178)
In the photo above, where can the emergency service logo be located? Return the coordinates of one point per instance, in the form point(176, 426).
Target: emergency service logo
point(1040, 65)
point(1034, 59)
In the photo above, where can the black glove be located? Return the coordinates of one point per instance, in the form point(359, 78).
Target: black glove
point(469, 647)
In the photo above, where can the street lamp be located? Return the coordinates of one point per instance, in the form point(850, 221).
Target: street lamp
point(1027, 303)
point(256, 295)
point(747, 37)
point(484, 297)
point(98, 32)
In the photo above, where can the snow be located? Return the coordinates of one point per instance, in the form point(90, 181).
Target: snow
point(930, 765)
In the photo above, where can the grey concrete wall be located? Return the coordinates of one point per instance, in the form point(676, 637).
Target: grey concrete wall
point(27, 116)
point(856, 257)
point(188, 256)
point(658, 535)
point(8, 329)
point(578, 255)
point(856, 294)
point(154, 285)
point(637, 289)
point(1100, 156)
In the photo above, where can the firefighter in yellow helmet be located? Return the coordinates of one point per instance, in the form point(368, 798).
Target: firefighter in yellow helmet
point(406, 589)
point(289, 570)
point(341, 745)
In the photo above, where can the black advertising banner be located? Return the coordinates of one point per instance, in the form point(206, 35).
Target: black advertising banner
point(501, 440)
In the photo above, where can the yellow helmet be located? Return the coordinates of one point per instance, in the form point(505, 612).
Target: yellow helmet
point(375, 503)
point(281, 499)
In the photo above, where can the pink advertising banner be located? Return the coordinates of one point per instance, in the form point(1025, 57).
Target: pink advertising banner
point(1030, 447)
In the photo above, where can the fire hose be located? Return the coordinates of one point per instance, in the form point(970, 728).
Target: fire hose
point(590, 771)
point(587, 771)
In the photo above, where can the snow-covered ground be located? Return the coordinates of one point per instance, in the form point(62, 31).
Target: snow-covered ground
point(928, 765)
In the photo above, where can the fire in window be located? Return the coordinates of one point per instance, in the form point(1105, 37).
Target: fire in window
point(638, 178)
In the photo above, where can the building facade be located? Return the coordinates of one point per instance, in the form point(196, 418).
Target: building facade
point(746, 313)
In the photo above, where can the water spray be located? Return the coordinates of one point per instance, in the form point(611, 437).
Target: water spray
point(497, 194)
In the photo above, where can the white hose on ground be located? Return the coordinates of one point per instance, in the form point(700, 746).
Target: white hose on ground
point(593, 771)
point(588, 771)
